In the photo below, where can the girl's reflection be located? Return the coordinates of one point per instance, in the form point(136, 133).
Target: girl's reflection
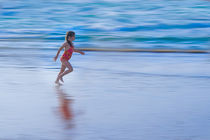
point(65, 109)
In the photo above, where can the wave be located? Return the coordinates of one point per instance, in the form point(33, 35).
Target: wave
point(106, 38)
point(164, 26)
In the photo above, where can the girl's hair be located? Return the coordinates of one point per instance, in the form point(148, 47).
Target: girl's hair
point(69, 34)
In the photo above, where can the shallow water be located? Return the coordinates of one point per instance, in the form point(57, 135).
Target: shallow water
point(108, 96)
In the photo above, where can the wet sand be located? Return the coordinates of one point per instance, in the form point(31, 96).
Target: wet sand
point(108, 96)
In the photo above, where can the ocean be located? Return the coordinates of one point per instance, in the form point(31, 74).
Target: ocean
point(150, 24)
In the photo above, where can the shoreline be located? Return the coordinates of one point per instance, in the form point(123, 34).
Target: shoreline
point(144, 50)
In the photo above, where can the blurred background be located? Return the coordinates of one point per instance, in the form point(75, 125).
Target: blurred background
point(106, 23)
point(109, 95)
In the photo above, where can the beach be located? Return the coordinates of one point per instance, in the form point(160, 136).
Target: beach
point(109, 95)
point(145, 74)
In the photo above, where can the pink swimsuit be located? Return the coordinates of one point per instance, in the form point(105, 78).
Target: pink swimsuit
point(67, 54)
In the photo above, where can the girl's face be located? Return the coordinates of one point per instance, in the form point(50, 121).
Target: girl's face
point(71, 38)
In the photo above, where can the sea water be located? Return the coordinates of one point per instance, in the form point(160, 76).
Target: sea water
point(150, 24)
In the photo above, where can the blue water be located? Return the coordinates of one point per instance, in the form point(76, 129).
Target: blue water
point(106, 23)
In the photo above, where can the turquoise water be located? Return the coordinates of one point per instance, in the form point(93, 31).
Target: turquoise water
point(106, 23)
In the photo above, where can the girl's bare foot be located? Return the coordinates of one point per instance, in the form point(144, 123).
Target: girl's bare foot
point(57, 82)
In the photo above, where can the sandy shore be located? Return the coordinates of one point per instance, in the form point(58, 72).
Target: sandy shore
point(109, 96)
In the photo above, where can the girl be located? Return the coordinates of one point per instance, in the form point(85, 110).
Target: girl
point(68, 50)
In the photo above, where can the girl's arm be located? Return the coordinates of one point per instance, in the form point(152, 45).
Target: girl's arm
point(78, 51)
point(59, 50)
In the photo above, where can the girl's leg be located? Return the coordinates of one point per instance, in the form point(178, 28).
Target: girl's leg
point(63, 67)
point(70, 69)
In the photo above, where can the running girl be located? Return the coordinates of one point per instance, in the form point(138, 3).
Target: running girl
point(68, 51)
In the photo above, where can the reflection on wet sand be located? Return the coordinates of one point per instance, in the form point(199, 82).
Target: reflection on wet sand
point(64, 108)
